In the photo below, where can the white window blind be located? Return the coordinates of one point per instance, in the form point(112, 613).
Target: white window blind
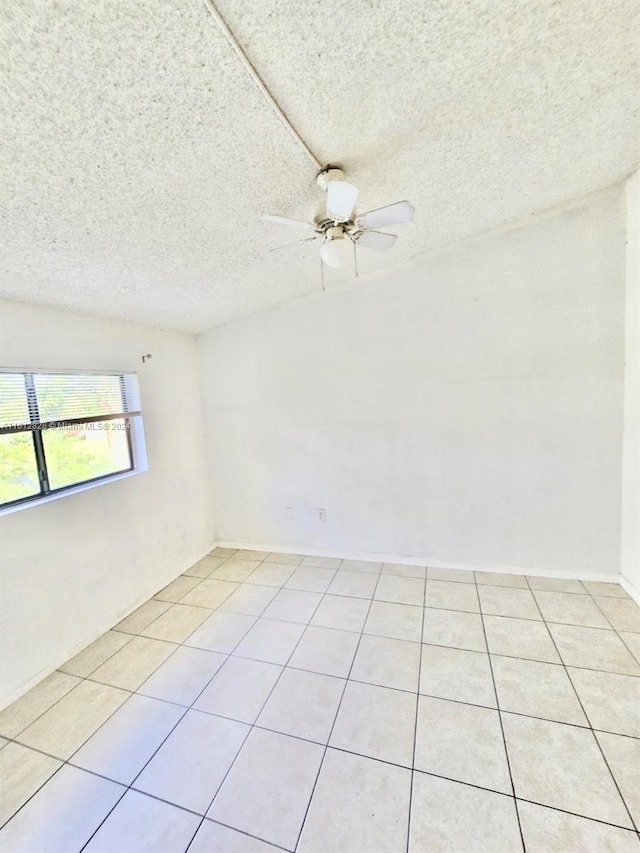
point(60, 430)
point(35, 399)
point(14, 406)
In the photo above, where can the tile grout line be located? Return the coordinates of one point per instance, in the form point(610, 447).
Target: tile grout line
point(178, 644)
point(581, 816)
point(190, 707)
point(182, 644)
point(307, 626)
point(346, 682)
point(66, 761)
point(253, 725)
point(186, 708)
point(239, 831)
point(66, 672)
point(504, 739)
point(527, 578)
point(130, 787)
point(88, 678)
point(415, 642)
point(586, 727)
point(633, 654)
point(533, 590)
point(171, 731)
point(588, 719)
point(415, 725)
point(348, 752)
point(613, 628)
point(339, 706)
point(357, 753)
point(133, 693)
point(604, 757)
point(319, 742)
point(82, 679)
point(584, 710)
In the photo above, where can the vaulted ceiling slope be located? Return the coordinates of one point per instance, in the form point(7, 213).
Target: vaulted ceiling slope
point(137, 154)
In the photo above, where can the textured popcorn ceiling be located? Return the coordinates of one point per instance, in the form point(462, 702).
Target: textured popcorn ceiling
point(137, 154)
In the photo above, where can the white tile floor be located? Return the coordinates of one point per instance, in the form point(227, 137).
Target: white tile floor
point(266, 702)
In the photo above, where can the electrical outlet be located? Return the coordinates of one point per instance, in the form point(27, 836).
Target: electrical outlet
point(322, 514)
point(288, 513)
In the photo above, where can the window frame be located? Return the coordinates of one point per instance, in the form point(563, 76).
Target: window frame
point(133, 431)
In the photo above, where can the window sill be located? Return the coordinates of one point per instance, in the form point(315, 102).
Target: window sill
point(74, 490)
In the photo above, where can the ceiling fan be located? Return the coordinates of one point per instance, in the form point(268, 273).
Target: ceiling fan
point(339, 226)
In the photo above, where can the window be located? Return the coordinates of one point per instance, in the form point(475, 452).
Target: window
point(60, 430)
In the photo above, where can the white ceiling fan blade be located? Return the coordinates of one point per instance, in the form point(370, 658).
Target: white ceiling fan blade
point(376, 240)
point(282, 220)
point(341, 199)
point(383, 217)
point(295, 243)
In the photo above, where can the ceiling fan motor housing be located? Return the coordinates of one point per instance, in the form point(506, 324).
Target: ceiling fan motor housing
point(335, 232)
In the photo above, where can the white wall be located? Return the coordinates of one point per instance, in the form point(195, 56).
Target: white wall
point(465, 411)
point(73, 567)
point(630, 557)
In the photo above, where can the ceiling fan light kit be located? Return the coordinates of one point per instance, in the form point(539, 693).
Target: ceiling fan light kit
point(339, 227)
point(337, 248)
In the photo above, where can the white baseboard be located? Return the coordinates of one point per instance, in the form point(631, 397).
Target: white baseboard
point(58, 660)
point(630, 588)
point(610, 577)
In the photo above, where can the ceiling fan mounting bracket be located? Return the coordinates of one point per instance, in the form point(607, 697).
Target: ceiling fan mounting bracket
point(331, 173)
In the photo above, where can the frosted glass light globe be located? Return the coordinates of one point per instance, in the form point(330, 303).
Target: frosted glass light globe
point(337, 249)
